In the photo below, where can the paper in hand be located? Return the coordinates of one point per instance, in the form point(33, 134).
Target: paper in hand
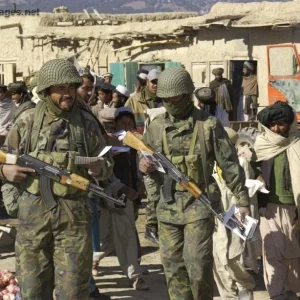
point(254, 186)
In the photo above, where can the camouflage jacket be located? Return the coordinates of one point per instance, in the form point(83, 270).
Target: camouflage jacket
point(184, 208)
point(56, 142)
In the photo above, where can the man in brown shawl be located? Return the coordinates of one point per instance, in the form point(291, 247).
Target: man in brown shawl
point(223, 90)
point(248, 103)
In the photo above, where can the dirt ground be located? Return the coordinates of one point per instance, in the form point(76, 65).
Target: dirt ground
point(112, 282)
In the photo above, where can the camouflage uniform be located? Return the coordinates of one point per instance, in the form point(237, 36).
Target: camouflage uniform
point(185, 224)
point(53, 247)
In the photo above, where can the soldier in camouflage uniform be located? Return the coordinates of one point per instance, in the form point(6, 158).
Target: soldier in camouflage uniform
point(53, 246)
point(185, 224)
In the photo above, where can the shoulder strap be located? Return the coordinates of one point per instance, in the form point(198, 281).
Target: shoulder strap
point(165, 143)
point(38, 118)
point(203, 152)
point(193, 141)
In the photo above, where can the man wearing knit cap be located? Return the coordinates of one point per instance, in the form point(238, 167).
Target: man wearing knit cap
point(224, 94)
point(247, 107)
point(53, 245)
point(192, 140)
point(278, 151)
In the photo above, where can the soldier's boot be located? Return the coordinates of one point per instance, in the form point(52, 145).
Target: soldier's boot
point(152, 235)
point(96, 295)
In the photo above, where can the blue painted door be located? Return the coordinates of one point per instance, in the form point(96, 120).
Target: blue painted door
point(170, 64)
point(131, 74)
point(118, 69)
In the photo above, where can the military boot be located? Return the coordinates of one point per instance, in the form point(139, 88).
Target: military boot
point(151, 235)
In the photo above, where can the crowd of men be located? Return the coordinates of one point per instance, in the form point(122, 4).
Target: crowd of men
point(67, 113)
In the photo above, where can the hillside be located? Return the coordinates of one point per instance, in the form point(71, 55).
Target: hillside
point(117, 6)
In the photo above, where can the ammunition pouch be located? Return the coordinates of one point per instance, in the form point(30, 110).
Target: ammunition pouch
point(10, 195)
point(189, 165)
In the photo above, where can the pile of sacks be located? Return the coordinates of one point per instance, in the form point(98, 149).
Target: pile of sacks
point(9, 287)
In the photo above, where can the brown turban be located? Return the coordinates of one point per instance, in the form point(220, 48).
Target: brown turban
point(218, 71)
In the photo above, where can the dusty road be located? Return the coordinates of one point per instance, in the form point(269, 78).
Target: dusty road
point(112, 282)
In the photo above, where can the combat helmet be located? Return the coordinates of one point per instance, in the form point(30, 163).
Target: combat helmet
point(173, 82)
point(55, 72)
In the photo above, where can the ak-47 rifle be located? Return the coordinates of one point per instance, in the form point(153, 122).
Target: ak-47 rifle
point(48, 172)
point(134, 142)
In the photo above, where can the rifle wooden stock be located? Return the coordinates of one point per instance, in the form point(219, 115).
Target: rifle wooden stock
point(7, 158)
point(191, 188)
point(76, 181)
point(132, 141)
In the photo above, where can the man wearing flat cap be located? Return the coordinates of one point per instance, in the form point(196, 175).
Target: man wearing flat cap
point(278, 151)
point(224, 93)
point(247, 108)
point(108, 77)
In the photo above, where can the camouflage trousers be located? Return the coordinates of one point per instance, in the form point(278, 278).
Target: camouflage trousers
point(152, 202)
point(186, 254)
point(54, 249)
point(151, 216)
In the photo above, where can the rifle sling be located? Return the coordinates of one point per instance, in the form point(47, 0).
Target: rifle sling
point(203, 153)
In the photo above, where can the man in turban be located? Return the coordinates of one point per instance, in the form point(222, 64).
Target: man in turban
point(224, 95)
point(247, 107)
point(278, 150)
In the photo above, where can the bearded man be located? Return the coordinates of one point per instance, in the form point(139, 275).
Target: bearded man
point(278, 150)
point(224, 96)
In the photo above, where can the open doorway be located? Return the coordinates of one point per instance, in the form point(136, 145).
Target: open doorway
point(236, 77)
